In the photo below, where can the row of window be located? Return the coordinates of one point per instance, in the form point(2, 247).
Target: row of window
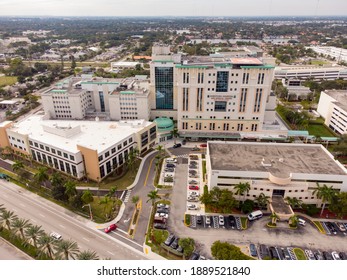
point(115, 149)
point(212, 126)
point(52, 150)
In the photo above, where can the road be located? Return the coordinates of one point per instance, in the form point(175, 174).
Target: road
point(71, 226)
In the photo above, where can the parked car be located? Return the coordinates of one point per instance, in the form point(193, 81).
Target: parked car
point(221, 220)
point(159, 226)
point(331, 227)
point(310, 255)
point(174, 244)
point(318, 255)
point(163, 210)
point(192, 207)
point(286, 254)
point(159, 220)
point(177, 145)
point(335, 256)
point(255, 215)
point(193, 182)
point(193, 172)
point(170, 165)
point(193, 175)
point(343, 256)
point(110, 228)
point(193, 162)
point(169, 240)
point(192, 167)
point(232, 221)
point(162, 205)
point(195, 256)
point(263, 251)
point(193, 194)
point(193, 188)
point(192, 199)
point(253, 250)
point(195, 149)
point(161, 214)
point(207, 220)
point(184, 141)
point(203, 145)
point(273, 253)
point(169, 169)
point(56, 235)
point(171, 160)
point(327, 256)
point(179, 249)
point(341, 227)
point(193, 157)
point(199, 219)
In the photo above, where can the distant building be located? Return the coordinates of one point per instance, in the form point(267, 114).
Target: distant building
point(119, 66)
point(332, 107)
point(304, 72)
point(339, 54)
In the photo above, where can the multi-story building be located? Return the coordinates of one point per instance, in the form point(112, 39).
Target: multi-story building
point(211, 96)
point(119, 66)
point(110, 99)
point(332, 107)
point(274, 169)
point(78, 148)
point(339, 54)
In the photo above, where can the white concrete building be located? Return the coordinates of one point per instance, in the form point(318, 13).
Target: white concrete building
point(274, 169)
point(119, 66)
point(79, 148)
point(304, 72)
point(339, 54)
point(332, 107)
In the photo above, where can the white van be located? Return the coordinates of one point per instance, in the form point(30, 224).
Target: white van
point(255, 215)
point(301, 222)
point(171, 160)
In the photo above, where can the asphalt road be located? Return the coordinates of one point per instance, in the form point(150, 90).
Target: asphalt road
point(71, 226)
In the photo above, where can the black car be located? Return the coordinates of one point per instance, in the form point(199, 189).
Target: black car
point(193, 166)
point(184, 141)
point(327, 256)
point(159, 226)
point(199, 219)
point(177, 145)
point(343, 256)
point(286, 254)
point(174, 244)
point(273, 253)
point(169, 240)
point(331, 227)
point(170, 165)
point(195, 256)
point(264, 251)
point(318, 256)
point(253, 250)
point(163, 210)
point(232, 221)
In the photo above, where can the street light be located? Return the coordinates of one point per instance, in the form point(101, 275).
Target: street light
point(90, 211)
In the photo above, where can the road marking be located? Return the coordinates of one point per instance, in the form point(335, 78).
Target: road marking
point(33, 220)
point(43, 216)
point(149, 169)
point(86, 239)
point(62, 226)
point(110, 253)
point(101, 238)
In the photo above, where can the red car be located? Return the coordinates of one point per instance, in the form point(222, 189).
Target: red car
point(203, 145)
point(193, 188)
point(110, 228)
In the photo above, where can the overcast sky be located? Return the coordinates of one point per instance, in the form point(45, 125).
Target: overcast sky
point(173, 7)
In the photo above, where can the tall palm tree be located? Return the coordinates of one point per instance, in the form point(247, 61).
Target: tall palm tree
point(41, 175)
point(274, 217)
point(325, 193)
point(242, 189)
point(153, 196)
point(33, 233)
point(159, 148)
point(105, 200)
point(70, 189)
point(19, 225)
point(66, 249)
point(135, 199)
point(293, 202)
point(56, 179)
point(2, 208)
point(111, 194)
point(17, 165)
point(294, 220)
point(174, 134)
point(87, 255)
point(262, 200)
point(46, 244)
point(6, 218)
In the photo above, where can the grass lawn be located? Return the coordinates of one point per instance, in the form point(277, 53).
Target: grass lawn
point(300, 254)
point(319, 130)
point(318, 62)
point(203, 169)
point(244, 222)
point(100, 211)
point(7, 81)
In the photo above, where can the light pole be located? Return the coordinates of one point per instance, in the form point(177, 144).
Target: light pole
point(90, 211)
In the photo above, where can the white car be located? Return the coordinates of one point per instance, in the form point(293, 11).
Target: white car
point(162, 215)
point(162, 205)
point(193, 194)
point(208, 220)
point(335, 256)
point(221, 220)
point(192, 207)
point(55, 235)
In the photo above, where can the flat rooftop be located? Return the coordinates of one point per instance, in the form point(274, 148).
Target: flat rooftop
point(67, 134)
point(279, 159)
point(340, 96)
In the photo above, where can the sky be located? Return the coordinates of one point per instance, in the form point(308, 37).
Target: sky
point(173, 7)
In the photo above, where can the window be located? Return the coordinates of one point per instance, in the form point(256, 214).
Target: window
point(53, 151)
point(164, 87)
point(220, 106)
point(30, 142)
point(200, 78)
point(102, 171)
point(222, 81)
point(47, 148)
point(243, 99)
point(261, 78)
point(100, 158)
point(185, 99)
point(107, 154)
point(41, 147)
point(108, 167)
point(257, 100)
point(186, 78)
point(245, 78)
point(125, 143)
point(131, 139)
point(113, 150)
point(59, 153)
point(72, 157)
point(65, 155)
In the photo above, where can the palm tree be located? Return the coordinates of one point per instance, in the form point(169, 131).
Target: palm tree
point(293, 202)
point(294, 220)
point(19, 225)
point(46, 244)
point(153, 196)
point(56, 179)
point(242, 189)
point(66, 249)
point(274, 217)
point(70, 189)
point(325, 193)
point(87, 255)
point(135, 199)
point(87, 197)
point(17, 165)
point(41, 175)
point(6, 219)
point(111, 193)
point(262, 200)
point(33, 233)
point(105, 200)
point(159, 148)
point(2, 208)
point(174, 134)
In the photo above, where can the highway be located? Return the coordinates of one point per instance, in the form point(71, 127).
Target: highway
point(55, 218)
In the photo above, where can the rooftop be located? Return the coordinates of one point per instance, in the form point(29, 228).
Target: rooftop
point(340, 96)
point(279, 159)
point(67, 134)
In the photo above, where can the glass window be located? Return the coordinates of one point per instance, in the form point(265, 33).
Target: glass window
point(113, 150)
point(72, 157)
point(65, 155)
point(222, 81)
point(164, 87)
point(59, 153)
point(220, 106)
point(100, 158)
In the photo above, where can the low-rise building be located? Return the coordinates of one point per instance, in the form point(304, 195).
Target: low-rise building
point(119, 66)
point(274, 169)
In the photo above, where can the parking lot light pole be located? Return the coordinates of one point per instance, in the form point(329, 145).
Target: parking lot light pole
point(90, 211)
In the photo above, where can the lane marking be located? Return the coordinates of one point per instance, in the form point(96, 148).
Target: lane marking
point(110, 253)
point(62, 226)
point(85, 239)
point(149, 169)
point(43, 216)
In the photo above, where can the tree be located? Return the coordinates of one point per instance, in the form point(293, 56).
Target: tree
point(174, 134)
point(58, 192)
point(66, 249)
point(111, 194)
point(45, 245)
point(56, 179)
point(19, 225)
point(325, 193)
point(294, 220)
point(17, 165)
point(6, 219)
point(274, 217)
point(339, 204)
point(70, 189)
point(87, 197)
point(293, 202)
point(135, 199)
point(188, 245)
point(226, 251)
point(153, 196)
point(159, 148)
point(104, 201)
point(262, 200)
point(87, 255)
point(41, 176)
point(242, 189)
point(33, 233)
point(247, 206)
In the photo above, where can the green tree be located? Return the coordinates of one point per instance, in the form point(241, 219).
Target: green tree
point(70, 189)
point(87, 197)
point(33, 233)
point(41, 175)
point(293, 202)
point(6, 218)
point(226, 251)
point(188, 245)
point(247, 206)
point(242, 189)
point(45, 245)
point(325, 193)
point(17, 165)
point(262, 200)
point(56, 179)
point(174, 134)
point(112, 194)
point(153, 196)
point(274, 217)
point(66, 249)
point(87, 255)
point(293, 220)
point(135, 199)
point(159, 148)
point(339, 204)
point(19, 226)
point(104, 201)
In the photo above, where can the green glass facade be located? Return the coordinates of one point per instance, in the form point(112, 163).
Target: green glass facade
point(164, 87)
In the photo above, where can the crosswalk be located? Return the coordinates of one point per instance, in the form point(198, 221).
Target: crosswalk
point(182, 156)
point(125, 196)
